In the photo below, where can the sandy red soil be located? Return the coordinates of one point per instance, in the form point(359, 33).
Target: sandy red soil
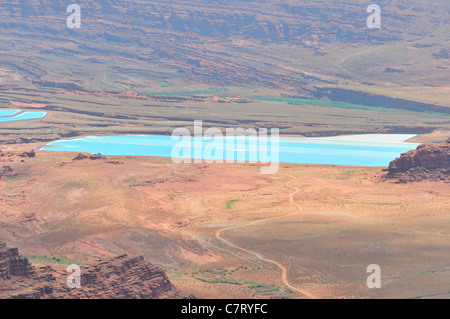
point(226, 230)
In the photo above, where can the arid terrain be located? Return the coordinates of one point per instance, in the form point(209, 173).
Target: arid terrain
point(226, 231)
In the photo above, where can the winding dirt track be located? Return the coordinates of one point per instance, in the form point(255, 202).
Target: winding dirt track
point(284, 276)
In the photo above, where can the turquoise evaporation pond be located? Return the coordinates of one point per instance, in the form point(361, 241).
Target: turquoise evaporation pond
point(8, 112)
point(9, 116)
point(291, 150)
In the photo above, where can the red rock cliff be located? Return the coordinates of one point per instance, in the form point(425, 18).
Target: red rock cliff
point(121, 277)
point(13, 264)
point(428, 162)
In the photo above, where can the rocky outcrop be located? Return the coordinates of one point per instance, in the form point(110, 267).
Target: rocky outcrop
point(122, 277)
point(79, 157)
point(31, 153)
point(96, 157)
point(13, 264)
point(7, 170)
point(443, 54)
point(428, 162)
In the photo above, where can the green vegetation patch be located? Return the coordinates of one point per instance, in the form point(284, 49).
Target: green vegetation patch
point(165, 84)
point(300, 101)
point(262, 289)
point(231, 202)
point(61, 260)
point(225, 276)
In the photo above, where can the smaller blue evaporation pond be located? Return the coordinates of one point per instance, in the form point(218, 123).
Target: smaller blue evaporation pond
point(352, 150)
point(8, 112)
point(17, 115)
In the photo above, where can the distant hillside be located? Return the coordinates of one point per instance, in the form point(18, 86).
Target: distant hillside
point(269, 20)
point(230, 43)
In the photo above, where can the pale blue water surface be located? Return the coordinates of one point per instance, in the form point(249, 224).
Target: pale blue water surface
point(291, 149)
point(16, 116)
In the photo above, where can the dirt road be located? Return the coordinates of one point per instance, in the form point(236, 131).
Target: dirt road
point(284, 272)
